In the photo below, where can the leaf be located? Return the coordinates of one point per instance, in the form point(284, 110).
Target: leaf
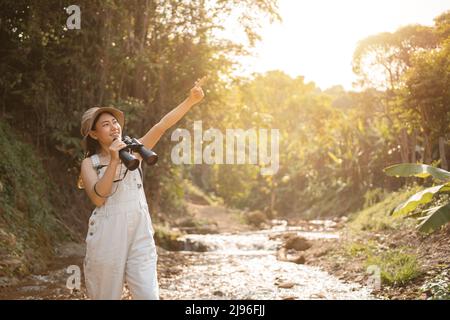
point(335, 159)
point(437, 217)
point(417, 170)
point(417, 199)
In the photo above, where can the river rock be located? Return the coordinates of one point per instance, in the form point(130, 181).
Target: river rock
point(297, 243)
point(187, 244)
point(283, 255)
point(299, 260)
point(286, 285)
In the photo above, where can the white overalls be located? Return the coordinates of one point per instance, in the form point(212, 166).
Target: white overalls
point(119, 243)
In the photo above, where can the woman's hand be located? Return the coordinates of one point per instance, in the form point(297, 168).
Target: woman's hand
point(115, 147)
point(196, 94)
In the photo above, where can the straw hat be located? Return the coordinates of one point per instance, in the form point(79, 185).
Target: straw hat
point(88, 118)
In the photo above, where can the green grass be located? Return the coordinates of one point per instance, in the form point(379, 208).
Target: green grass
point(357, 249)
point(396, 266)
point(377, 218)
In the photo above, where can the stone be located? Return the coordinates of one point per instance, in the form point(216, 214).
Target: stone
point(297, 243)
point(286, 285)
point(299, 260)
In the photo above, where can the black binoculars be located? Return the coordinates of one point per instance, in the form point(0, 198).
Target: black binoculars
point(133, 145)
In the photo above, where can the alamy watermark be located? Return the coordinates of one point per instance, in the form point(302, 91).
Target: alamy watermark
point(250, 146)
point(374, 280)
point(74, 280)
point(74, 20)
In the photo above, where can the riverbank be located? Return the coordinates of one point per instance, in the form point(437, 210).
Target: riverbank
point(238, 262)
point(416, 267)
point(411, 265)
point(230, 259)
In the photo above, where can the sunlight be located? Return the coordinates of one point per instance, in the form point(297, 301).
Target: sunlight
point(317, 38)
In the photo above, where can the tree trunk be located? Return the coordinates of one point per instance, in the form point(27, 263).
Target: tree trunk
point(427, 149)
point(444, 164)
point(413, 146)
point(140, 33)
point(404, 145)
point(272, 203)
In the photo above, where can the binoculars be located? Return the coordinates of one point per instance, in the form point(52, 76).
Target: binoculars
point(133, 145)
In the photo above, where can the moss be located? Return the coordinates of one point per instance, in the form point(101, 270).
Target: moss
point(28, 226)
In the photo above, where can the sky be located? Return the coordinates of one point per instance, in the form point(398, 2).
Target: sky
point(317, 38)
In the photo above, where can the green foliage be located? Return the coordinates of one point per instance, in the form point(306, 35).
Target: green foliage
point(143, 56)
point(417, 170)
point(435, 217)
point(377, 217)
point(420, 198)
point(29, 225)
point(356, 249)
point(427, 93)
point(396, 267)
point(197, 195)
point(140, 56)
point(166, 238)
point(373, 196)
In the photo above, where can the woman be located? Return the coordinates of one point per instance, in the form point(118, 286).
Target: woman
point(119, 243)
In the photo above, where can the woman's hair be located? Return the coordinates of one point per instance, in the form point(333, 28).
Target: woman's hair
point(92, 145)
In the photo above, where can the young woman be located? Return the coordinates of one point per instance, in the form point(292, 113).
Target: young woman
point(119, 243)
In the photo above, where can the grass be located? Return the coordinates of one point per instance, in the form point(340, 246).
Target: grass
point(396, 266)
point(357, 249)
point(372, 240)
point(377, 218)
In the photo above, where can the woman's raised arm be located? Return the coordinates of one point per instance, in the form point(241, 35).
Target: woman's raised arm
point(151, 138)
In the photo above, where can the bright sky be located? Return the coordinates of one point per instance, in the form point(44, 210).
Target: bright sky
point(317, 37)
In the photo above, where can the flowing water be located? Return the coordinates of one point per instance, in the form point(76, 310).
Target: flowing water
point(245, 266)
point(235, 266)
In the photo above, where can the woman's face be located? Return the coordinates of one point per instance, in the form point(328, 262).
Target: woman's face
point(106, 129)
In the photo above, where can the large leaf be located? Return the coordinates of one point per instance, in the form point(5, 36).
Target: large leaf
point(417, 170)
point(417, 199)
point(437, 216)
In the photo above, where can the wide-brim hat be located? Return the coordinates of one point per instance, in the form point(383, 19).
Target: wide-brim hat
point(88, 118)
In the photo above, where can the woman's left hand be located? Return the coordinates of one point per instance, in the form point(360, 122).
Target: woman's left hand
point(196, 94)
